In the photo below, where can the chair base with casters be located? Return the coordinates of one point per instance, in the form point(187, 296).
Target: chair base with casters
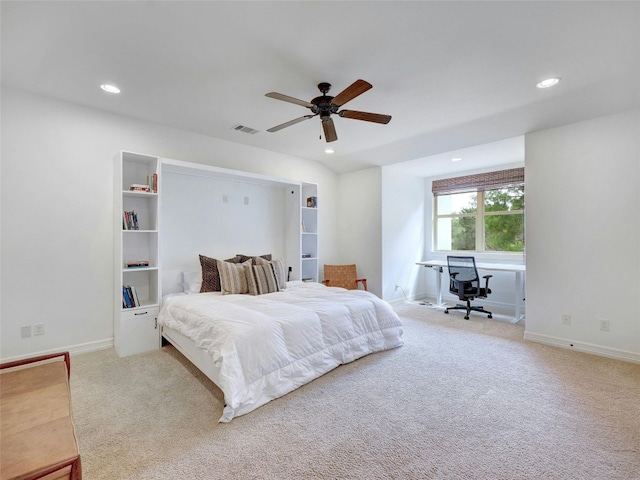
point(469, 308)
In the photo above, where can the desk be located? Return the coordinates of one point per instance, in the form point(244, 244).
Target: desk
point(519, 270)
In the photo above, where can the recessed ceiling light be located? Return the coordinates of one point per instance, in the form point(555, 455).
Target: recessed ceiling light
point(329, 151)
point(110, 88)
point(457, 159)
point(549, 82)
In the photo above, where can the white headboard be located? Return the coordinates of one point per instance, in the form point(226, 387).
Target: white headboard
point(223, 215)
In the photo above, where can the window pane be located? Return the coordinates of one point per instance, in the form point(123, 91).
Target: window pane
point(504, 199)
point(458, 233)
point(504, 233)
point(457, 203)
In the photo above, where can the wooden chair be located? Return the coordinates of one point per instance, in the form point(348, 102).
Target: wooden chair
point(343, 276)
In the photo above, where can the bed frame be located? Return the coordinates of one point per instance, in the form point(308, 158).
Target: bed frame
point(199, 357)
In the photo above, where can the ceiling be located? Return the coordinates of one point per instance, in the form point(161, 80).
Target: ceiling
point(452, 74)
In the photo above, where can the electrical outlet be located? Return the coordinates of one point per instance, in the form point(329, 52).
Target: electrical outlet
point(38, 329)
point(566, 319)
point(25, 331)
point(604, 325)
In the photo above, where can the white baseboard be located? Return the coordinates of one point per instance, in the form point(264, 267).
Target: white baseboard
point(583, 347)
point(72, 349)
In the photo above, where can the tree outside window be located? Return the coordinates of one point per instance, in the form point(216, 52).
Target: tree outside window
point(481, 220)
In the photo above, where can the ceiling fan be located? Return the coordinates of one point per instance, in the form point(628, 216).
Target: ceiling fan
point(326, 105)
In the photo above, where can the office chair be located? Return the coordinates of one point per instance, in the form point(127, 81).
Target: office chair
point(465, 283)
point(343, 276)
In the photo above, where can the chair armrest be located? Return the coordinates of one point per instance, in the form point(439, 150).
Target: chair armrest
point(460, 286)
point(486, 284)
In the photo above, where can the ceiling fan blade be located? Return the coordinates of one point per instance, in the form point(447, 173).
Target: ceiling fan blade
point(352, 91)
point(366, 116)
point(329, 128)
point(289, 123)
point(287, 98)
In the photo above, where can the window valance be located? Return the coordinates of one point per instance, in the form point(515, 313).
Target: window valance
point(512, 177)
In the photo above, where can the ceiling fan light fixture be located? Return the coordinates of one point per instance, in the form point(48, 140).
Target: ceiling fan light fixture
point(109, 88)
point(548, 82)
point(325, 105)
point(329, 151)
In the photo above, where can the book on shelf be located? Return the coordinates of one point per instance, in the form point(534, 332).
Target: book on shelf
point(306, 255)
point(139, 187)
point(307, 279)
point(152, 182)
point(137, 264)
point(130, 221)
point(130, 297)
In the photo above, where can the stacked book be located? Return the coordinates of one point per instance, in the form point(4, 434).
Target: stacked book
point(139, 187)
point(130, 221)
point(137, 264)
point(129, 297)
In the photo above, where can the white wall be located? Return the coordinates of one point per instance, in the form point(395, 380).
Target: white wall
point(582, 234)
point(360, 225)
point(57, 207)
point(403, 234)
point(208, 215)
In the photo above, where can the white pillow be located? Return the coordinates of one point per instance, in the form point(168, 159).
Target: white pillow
point(192, 281)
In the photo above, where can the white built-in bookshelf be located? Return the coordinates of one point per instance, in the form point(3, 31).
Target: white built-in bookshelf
point(136, 253)
point(309, 232)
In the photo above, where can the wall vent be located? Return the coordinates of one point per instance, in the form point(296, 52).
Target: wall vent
point(242, 128)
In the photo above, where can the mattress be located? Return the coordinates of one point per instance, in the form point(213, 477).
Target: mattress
point(265, 346)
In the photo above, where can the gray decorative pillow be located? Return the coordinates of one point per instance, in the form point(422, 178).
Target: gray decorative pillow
point(210, 274)
point(278, 270)
point(233, 278)
point(260, 279)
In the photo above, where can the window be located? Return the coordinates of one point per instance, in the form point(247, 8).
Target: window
point(482, 213)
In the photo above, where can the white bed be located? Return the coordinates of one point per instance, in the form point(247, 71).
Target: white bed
point(256, 348)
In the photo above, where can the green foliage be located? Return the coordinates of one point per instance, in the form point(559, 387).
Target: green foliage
point(502, 232)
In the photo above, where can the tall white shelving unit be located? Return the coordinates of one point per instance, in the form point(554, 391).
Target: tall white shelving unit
point(309, 232)
point(135, 328)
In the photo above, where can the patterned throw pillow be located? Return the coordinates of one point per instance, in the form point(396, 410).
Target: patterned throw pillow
point(210, 274)
point(233, 278)
point(260, 279)
point(244, 258)
point(278, 270)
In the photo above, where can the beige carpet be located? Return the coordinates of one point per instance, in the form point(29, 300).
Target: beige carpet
point(460, 400)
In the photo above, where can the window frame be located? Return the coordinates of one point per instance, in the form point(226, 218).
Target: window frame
point(478, 184)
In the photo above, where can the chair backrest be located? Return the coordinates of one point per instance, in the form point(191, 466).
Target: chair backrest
point(341, 276)
point(463, 267)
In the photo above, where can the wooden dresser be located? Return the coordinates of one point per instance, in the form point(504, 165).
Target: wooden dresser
point(37, 437)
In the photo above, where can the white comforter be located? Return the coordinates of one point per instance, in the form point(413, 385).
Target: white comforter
point(268, 345)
